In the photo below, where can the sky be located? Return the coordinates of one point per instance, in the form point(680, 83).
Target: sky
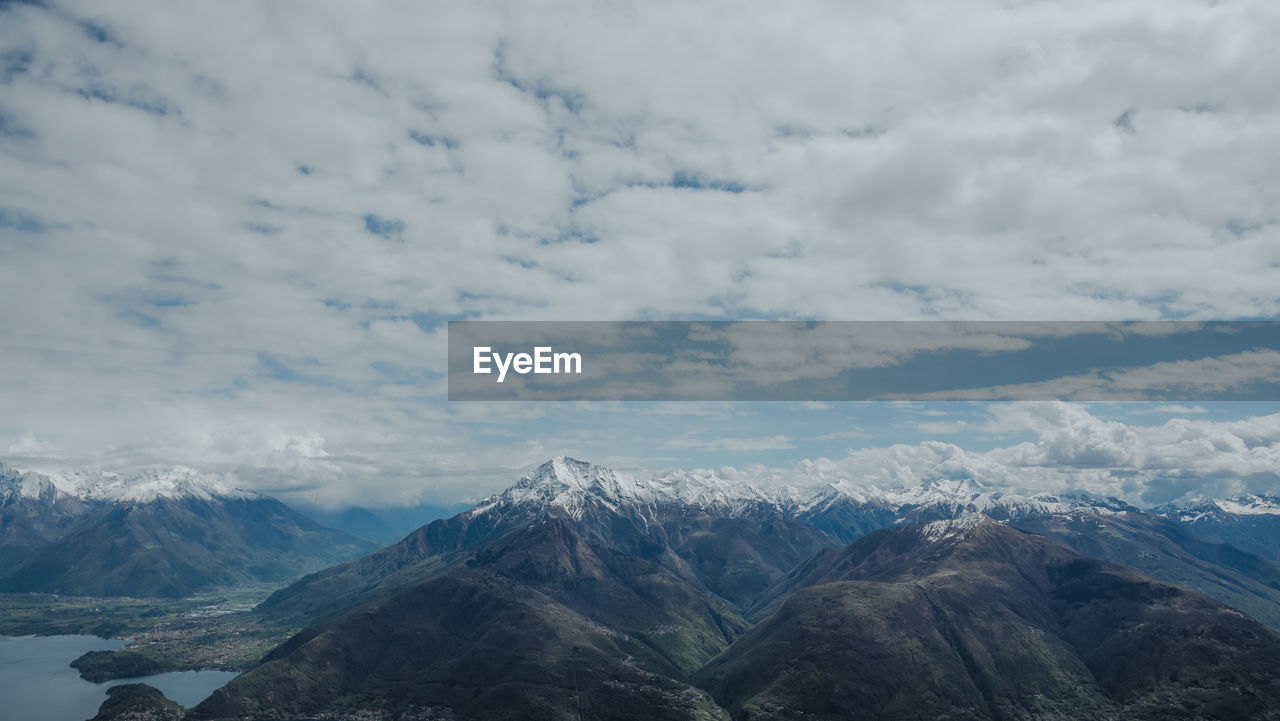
point(231, 234)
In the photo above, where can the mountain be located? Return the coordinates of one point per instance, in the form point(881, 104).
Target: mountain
point(164, 533)
point(1248, 522)
point(736, 538)
point(582, 592)
point(731, 539)
point(971, 619)
point(33, 511)
point(1096, 526)
point(546, 622)
point(137, 702)
point(848, 511)
point(965, 618)
point(1165, 549)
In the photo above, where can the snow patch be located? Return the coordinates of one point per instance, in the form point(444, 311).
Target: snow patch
point(1250, 506)
point(958, 528)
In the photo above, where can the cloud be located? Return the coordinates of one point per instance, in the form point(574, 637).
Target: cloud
point(1179, 409)
point(736, 445)
point(848, 435)
point(1073, 449)
point(228, 227)
point(28, 445)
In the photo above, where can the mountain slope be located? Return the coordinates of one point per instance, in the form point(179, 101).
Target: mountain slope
point(544, 623)
point(1251, 523)
point(1168, 551)
point(970, 619)
point(728, 540)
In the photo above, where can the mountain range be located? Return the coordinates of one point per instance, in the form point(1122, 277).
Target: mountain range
point(163, 533)
point(581, 592)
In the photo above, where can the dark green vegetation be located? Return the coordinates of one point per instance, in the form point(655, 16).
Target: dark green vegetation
point(100, 666)
point(176, 547)
point(990, 623)
point(137, 702)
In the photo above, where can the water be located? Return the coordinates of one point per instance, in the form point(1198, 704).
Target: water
point(37, 684)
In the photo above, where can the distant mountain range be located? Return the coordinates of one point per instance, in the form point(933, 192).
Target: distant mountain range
point(581, 592)
point(383, 525)
point(165, 533)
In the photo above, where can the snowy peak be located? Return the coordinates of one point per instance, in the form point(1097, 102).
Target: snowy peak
point(16, 484)
point(153, 484)
point(572, 485)
point(705, 489)
point(1248, 505)
point(1251, 506)
point(568, 483)
point(144, 486)
point(957, 528)
point(962, 495)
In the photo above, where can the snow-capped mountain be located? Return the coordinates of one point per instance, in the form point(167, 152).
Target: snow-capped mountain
point(148, 484)
point(1251, 522)
point(1249, 505)
point(844, 510)
point(732, 538)
point(736, 539)
point(33, 511)
point(16, 484)
point(158, 531)
point(966, 494)
point(574, 485)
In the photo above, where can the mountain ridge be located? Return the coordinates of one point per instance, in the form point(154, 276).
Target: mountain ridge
point(164, 532)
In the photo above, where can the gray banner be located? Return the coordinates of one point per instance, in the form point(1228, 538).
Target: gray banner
point(859, 361)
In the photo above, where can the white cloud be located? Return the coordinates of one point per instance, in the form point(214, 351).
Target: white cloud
point(29, 445)
point(1076, 450)
point(1179, 409)
point(759, 443)
point(225, 226)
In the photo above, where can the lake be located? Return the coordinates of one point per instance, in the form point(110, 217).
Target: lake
point(37, 684)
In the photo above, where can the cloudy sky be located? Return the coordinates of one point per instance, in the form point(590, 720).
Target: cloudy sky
point(231, 233)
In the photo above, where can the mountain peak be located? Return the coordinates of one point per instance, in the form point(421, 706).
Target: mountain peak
point(572, 484)
point(153, 484)
point(148, 484)
point(957, 528)
point(1251, 505)
point(565, 483)
point(15, 483)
